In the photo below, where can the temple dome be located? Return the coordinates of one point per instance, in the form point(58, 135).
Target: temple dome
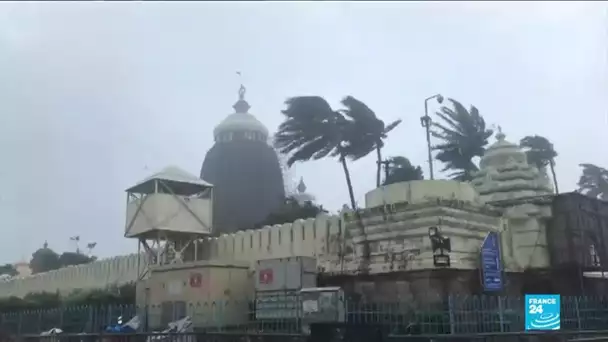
point(245, 172)
point(501, 153)
point(241, 121)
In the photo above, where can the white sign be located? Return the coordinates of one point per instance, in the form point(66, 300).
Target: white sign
point(310, 306)
point(175, 288)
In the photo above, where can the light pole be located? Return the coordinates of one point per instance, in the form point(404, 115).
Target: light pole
point(425, 121)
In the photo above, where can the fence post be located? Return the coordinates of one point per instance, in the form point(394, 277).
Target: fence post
point(501, 314)
point(108, 319)
point(62, 309)
point(146, 317)
point(578, 313)
point(451, 313)
point(19, 322)
point(90, 326)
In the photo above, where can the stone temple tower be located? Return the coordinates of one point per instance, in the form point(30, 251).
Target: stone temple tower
point(523, 193)
point(245, 171)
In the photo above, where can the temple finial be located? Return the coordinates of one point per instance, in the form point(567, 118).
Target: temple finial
point(242, 91)
point(45, 245)
point(241, 106)
point(500, 136)
point(301, 186)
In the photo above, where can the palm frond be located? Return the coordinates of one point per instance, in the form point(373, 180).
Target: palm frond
point(310, 129)
point(391, 126)
point(539, 150)
point(363, 131)
point(357, 110)
point(462, 135)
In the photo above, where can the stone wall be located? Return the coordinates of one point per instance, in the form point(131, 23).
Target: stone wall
point(396, 220)
point(311, 237)
point(112, 271)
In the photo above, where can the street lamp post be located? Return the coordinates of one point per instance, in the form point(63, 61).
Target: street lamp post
point(425, 121)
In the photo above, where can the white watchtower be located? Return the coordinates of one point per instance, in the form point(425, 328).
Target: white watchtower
point(168, 213)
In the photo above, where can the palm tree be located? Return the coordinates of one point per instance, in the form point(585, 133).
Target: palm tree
point(463, 136)
point(400, 169)
point(540, 153)
point(368, 131)
point(594, 181)
point(313, 130)
point(90, 247)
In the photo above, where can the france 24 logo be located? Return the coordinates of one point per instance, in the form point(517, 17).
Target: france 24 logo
point(543, 312)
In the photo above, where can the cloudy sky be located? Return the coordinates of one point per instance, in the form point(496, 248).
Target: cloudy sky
point(95, 96)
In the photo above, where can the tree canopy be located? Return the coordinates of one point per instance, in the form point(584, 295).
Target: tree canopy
point(539, 150)
point(366, 133)
point(8, 269)
point(74, 258)
point(463, 135)
point(540, 153)
point(292, 210)
point(45, 259)
point(311, 130)
point(594, 181)
point(400, 169)
point(119, 295)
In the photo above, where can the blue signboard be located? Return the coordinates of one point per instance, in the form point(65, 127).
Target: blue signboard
point(491, 263)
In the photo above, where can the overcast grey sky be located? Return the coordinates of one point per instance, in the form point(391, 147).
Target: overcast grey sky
point(91, 93)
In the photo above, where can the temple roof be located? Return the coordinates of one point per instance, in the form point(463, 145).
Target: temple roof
point(241, 120)
point(176, 178)
point(500, 152)
point(505, 174)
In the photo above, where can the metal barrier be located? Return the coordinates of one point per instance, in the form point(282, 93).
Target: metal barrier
point(555, 336)
point(454, 315)
point(182, 337)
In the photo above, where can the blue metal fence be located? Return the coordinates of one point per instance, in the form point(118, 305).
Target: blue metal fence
point(451, 315)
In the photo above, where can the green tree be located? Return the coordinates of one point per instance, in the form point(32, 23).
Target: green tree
point(594, 181)
point(540, 153)
point(313, 130)
point(114, 295)
point(463, 135)
point(292, 210)
point(400, 169)
point(42, 300)
point(44, 260)
point(8, 269)
point(74, 258)
point(367, 130)
point(11, 304)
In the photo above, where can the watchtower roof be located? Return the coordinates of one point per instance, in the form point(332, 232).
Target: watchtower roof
point(171, 179)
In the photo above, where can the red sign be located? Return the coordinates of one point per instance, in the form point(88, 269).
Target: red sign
point(266, 276)
point(196, 280)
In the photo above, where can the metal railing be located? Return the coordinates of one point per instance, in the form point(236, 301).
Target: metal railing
point(454, 315)
point(554, 336)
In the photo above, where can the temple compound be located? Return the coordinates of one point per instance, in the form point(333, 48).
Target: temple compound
point(544, 242)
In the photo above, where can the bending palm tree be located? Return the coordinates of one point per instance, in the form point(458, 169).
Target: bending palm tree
point(367, 130)
point(594, 181)
point(313, 130)
point(540, 153)
point(463, 136)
